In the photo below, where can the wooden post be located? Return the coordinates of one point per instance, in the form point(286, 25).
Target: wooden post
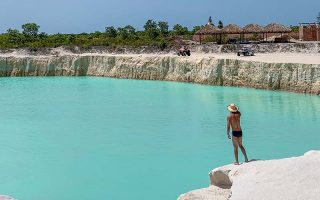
point(200, 39)
point(266, 37)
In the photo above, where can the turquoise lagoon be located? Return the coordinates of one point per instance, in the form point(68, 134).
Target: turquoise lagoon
point(64, 138)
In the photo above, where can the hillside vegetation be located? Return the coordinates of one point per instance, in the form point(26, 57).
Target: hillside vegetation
point(153, 34)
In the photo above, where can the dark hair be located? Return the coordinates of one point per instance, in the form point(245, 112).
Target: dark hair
point(237, 112)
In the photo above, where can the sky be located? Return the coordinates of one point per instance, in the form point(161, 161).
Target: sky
point(77, 16)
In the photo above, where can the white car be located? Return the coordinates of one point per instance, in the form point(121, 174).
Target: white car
point(245, 51)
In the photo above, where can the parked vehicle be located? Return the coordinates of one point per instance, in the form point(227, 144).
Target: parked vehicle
point(245, 51)
point(244, 42)
point(183, 52)
point(280, 40)
point(232, 41)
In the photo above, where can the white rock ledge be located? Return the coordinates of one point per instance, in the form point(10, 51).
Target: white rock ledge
point(296, 178)
point(6, 197)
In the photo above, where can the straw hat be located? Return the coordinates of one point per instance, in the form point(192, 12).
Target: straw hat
point(233, 108)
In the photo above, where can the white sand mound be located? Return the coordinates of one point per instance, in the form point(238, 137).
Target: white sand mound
point(296, 178)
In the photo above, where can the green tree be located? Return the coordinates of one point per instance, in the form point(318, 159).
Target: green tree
point(150, 25)
point(196, 28)
point(30, 30)
point(111, 32)
point(59, 39)
point(151, 29)
point(122, 33)
point(210, 21)
point(71, 39)
point(96, 34)
point(163, 27)
point(180, 30)
point(43, 36)
point(295, 29)
point(14, 37)
point(131, 31)
point(220, 24)
point(127, 32)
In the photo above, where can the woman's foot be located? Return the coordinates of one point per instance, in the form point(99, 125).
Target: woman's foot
point(236, 163)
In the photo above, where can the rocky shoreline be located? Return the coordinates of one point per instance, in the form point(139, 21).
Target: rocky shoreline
point(204, 69)
point(291, 178)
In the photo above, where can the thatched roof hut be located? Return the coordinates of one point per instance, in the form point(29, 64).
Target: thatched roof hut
point(276, 28)
point(208, 30)
point(211, 30)
point(232, 29)
point(253, 28)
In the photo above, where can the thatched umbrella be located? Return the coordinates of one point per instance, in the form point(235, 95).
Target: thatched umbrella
point(232, 29)
point(208, 29)
point(276, 28)
point(253, 28)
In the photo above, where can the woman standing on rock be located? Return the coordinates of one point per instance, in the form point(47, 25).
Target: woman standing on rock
point(233, 120)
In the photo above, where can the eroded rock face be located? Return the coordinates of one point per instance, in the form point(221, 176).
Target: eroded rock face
point(303, 78)
point(220, 178)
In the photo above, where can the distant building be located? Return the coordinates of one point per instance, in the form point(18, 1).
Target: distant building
point(309, 31)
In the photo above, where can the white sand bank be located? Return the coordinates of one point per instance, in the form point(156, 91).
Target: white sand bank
point(276, 58)
point(296, 178)
point(302, 58)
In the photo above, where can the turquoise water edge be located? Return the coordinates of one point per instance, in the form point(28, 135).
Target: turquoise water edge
point(100, 138)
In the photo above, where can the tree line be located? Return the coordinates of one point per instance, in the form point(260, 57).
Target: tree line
point(153, 33)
